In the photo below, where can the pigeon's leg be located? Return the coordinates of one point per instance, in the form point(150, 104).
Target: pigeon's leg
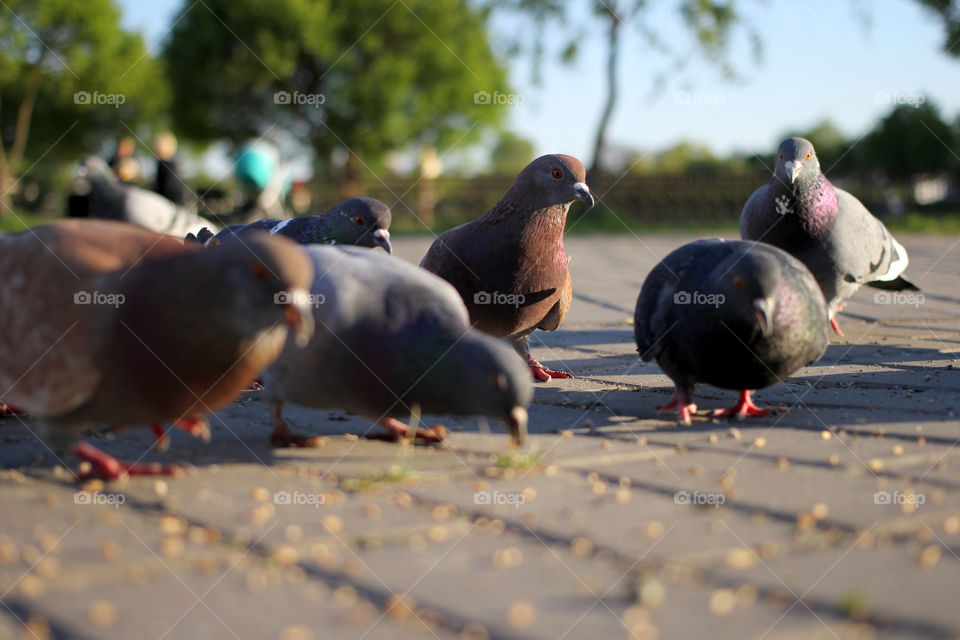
point(195, 425)
point(835, 326)
point(107, 467)
point(282, 437)
point(680, 402)
point(540, 373)
point(161, 438)
point(397, 430)
point(745, 408)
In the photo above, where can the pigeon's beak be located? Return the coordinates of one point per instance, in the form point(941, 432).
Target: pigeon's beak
point(582, 191)
point(792, 169)
point(763, 309)
point(518, 424)
point(299, 315)
point(381, 238)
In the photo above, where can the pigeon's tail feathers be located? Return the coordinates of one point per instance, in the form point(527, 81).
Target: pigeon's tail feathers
point(897, 284)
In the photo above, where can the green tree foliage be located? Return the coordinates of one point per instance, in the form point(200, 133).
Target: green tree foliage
point(69, 77)
point(910, 140)
point(351, 79)
point(511, 154)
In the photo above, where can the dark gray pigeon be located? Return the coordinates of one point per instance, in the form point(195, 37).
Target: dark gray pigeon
point(104, 323)
point(391, 336)
point(111, 199)
point(828, 229)
point(362, 222)
point(733, 314)
point(509, 265)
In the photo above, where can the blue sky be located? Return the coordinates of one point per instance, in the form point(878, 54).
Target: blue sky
point(821, 59)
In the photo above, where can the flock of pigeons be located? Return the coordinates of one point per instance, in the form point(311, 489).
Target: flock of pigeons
point(103, 322)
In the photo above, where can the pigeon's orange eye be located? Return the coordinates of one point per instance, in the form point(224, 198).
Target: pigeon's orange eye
point(808, 156)
point(557, 174)
point(780, 157)
point(259, 270)
point(738, 282)
point(358, 220)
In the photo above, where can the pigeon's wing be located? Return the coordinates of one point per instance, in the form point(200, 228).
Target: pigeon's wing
point(558, 312)
point(861, 246)
point(755, 219)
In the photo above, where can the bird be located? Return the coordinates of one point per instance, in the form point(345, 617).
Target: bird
point(111, 199)
point(363, 222)
point(828, 229)
point(732, 314)
point(392, 340)
point(509, 265)
point(105, 323)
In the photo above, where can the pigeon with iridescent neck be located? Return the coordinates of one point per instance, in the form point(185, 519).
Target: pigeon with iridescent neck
point(509, 265)
point(828, 229)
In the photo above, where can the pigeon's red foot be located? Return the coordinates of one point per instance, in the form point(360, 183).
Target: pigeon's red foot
point(282, 437)
point(106, 467)
point(397, 430)
point(161, 439)
point(680, 402)
point(7, 410)
point(835, 327)
point(197, 426)
point(541, 373)
point(745, 408)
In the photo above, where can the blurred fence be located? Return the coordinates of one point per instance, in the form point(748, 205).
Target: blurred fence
point(674, 200)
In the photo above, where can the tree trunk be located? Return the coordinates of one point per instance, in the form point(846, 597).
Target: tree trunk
point(10, 163)
point(613, 56)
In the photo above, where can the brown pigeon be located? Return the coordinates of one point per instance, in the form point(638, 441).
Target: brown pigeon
point(102, 322)
point(509, 265)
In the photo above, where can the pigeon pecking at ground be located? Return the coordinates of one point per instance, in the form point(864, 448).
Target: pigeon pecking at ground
point(733, 314)
point(363, 222)
point(110, 199)
point(828, 229)
point(392, 339)
point(509, 265)
point(104, 323)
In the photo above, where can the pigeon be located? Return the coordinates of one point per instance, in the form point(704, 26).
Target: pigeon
point(733, 314)
point(509, 265)
point(111, 199)
point(828, 229)
point(363, 222)
point(391, 340)
point(104, 323)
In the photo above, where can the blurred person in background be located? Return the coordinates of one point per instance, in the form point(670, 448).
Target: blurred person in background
point(124, 162)
point(264, 179)
point(167, 182)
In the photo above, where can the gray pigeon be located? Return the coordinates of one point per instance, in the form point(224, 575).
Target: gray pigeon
point(110, 199)
point(509, 265)
point(363, 222)
point(104, 323)
point(733, 314)
point(828, 229)
point(391, 336)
